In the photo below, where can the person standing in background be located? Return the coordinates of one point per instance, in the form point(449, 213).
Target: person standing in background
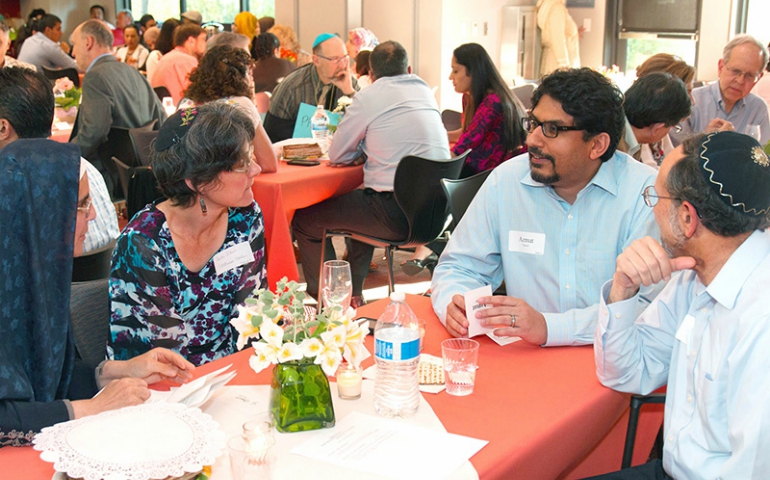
point(559, 36)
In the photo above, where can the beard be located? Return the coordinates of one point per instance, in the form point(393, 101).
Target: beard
point(673, 245)
point(537, 175)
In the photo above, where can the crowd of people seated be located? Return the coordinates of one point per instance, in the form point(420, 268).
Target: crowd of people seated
point(634, 221)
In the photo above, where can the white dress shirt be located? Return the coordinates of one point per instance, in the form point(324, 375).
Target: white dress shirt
point(712, 346)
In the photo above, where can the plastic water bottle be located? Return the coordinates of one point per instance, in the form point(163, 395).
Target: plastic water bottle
point(319, 124)
point(397, 353)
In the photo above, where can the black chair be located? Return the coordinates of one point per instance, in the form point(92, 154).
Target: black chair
point(120, 145)
point(524, 94)
point(93, 265)
point(53, 73)
point(90, 315)
point(633, 419)
point(140, 186)
point(142, 141)
point(452, 119)
point(417, 189)
point(460, 193)
point(162, 92)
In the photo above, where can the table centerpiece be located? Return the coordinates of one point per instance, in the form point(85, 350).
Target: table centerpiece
point(67, 99)
point(304, 348)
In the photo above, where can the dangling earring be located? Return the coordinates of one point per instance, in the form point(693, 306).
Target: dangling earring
point(203, 206)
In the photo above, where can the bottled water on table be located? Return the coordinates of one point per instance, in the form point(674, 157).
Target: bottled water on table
point(319, 124)
point(397, 353)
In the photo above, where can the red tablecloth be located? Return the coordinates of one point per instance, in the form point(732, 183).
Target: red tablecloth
point(281, 193)
point(542, 410)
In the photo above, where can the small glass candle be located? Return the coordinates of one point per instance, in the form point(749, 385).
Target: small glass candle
point(348, 382)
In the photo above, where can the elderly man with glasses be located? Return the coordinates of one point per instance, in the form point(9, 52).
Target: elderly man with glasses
point(729, 104)
point(550, 222)
point(321, 82)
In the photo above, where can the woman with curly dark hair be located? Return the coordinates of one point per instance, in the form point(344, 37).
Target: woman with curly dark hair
point(224, 75)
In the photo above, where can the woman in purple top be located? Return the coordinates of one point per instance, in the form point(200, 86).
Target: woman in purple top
point(491, 124)
point(491, 127)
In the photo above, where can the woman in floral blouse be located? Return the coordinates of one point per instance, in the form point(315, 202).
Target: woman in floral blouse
point(181, 266)
point(491, 127)
point(491, 122)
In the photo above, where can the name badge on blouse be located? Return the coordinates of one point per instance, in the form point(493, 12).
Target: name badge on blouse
point(526, 242)
point(684, 333)
point(233, 257)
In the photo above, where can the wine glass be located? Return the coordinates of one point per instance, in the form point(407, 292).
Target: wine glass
point(337, 286)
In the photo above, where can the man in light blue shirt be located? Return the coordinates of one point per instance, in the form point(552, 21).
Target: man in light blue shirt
point(550, 222)
point(707, 333)
point(396, 116)
point(729, 103)
point(43, 50)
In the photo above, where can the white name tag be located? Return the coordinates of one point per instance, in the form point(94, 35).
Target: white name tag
point(233, 257)
point(684, 334)
point(526, 242)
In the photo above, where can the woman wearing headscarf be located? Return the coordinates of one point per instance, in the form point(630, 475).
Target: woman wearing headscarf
point(360, 39)
point(246, 24)
point(183, 265)
point(44, 217)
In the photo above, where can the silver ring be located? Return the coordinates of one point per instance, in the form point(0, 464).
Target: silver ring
point(513, 320)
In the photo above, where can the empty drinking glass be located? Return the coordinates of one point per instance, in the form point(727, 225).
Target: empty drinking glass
point(336, 284)
point(753, 131)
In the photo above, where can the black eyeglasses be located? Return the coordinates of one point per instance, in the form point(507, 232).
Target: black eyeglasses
point(334, 59)
point(550, 129)
point(651, 196)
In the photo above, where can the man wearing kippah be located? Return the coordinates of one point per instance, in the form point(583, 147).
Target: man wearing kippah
point(707, 334)
point(321, 82)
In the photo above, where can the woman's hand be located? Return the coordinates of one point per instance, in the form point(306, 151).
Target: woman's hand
point(151, 367)
point(117, 394)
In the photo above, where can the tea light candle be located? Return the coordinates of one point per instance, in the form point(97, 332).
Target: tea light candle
point(348, 382)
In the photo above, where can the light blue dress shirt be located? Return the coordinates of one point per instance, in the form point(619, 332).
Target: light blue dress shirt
point(41, 51)
point(104, 228)
point(582, 241)
point(394, 117)
point(750, 110)
point(712, 345)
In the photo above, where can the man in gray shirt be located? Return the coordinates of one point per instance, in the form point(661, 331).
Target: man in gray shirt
point(395, 117)
point(42, 49)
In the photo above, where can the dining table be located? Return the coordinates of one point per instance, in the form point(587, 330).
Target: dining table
point(542, 409)
point(282, 193)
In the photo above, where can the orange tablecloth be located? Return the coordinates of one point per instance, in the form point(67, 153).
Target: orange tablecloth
point(281, 193)
point(542, 410)
point(62, 136)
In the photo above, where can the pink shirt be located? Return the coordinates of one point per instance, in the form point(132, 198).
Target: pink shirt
point(173, 72)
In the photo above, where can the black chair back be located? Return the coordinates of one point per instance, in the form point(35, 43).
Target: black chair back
point(452, 119)
point(162, 92)
point(142, 141)
point(417, 188)
point(90, 315)
point(120, 145)
point(140, 186)
point(524, 94)
point(53, 73)
point(460, 193)
point(93, 265)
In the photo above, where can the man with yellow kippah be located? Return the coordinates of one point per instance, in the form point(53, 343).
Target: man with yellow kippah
point(707, 334)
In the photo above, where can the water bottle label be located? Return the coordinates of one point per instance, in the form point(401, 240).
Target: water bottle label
point(398, 351)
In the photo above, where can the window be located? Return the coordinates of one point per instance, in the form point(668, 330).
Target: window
point(222, 11)
point(756, 20)
point(638, 50)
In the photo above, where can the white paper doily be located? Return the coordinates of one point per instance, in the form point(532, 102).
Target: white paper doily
point(147, 441)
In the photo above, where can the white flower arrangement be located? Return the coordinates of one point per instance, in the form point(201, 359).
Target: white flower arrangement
point(342, 104)
point(287, 334)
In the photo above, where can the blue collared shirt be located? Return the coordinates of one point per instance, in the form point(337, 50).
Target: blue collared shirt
point(394, 117)
point(710, 343)
point(750, 110)
point(97, 59)
point(41, 51)
point(581, 242)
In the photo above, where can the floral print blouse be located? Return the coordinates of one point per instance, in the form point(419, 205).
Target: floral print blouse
point(484, 136)
point(157, 302)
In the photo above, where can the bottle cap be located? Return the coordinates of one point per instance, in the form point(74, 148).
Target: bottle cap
point(397, 297)
point(320, 106)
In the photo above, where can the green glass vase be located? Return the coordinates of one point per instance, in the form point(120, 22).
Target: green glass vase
point(300, 398)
